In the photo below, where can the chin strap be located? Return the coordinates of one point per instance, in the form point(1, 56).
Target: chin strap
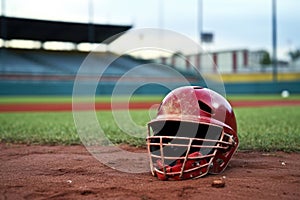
point(168, 172)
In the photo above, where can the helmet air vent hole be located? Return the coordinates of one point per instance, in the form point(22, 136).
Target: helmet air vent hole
point(204, 107)
point(197, 87)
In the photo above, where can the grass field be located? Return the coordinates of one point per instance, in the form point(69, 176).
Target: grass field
point(68, 99)
point(137, 98)
point(266, 129)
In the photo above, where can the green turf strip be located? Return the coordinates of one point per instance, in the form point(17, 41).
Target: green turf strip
point(68, 99)
point(135, 98)
point(265, 129)
point(253, 97)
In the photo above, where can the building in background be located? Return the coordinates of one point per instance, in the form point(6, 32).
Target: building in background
point(227, 62)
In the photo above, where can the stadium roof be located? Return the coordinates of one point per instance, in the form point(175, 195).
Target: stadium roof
point(43, 30)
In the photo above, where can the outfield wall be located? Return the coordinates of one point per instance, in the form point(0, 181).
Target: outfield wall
point(9, 88)
point(263, 87)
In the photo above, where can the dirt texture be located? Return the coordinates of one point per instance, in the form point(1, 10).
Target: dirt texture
point(71, 172)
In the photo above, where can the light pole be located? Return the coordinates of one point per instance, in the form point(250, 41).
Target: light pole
point(3, 35)
point(200, 19)
point(91, 28)
point(3, 23)
point(274, 40)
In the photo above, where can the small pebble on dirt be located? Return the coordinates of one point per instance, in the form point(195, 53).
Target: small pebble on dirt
point(218, 183)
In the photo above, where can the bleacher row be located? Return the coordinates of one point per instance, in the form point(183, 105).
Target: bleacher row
point(44, 72)
point(42, 62)
point(39, 62)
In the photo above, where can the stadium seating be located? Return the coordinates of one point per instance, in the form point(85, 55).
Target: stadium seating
point(36, 71)
point(68, 63)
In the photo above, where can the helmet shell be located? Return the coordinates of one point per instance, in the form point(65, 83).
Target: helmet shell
point(197, 104)
point(203, 106)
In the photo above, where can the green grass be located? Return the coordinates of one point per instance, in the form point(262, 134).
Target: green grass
point(35, 99)
point(253, 97)
point(41, 128)
point(138, 98)
point(264, 129)
point(269, 128)
point(59, 128)
point(68, 99)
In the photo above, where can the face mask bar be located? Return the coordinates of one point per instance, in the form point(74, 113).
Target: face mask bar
point(191, 163)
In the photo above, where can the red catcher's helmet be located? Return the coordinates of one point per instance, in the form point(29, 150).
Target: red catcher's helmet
point(194, 133)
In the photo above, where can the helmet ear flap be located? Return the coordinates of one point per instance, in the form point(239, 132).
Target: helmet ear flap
point(222, 157)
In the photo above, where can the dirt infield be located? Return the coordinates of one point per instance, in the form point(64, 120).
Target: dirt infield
point(70, 172)
point(40, 107)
